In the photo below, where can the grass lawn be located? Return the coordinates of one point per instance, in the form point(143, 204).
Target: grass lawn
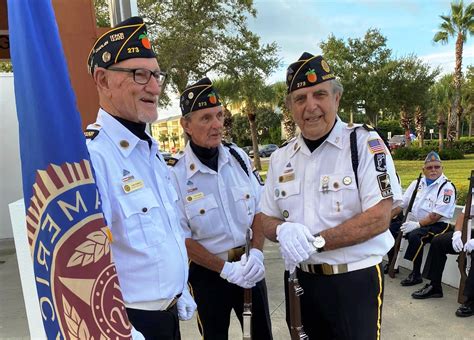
point(457, 171)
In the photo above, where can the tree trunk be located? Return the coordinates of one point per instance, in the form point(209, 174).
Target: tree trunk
point(453, 116)
point(227, 132)
point(471, 124)
point(441, 125)
point(289, 125)
point(405, 123)
point(458, 122)
point(253, 131)
point(420, 125)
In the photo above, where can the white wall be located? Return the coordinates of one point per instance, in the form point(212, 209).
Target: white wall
point(10, 170)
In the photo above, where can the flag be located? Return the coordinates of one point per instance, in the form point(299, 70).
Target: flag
point(77, 284)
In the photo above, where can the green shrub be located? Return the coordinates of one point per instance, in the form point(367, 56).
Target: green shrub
point(416, 153)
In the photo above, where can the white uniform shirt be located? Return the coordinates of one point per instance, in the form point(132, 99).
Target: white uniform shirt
point(148, 245)
point(428, 201)
point(319, 189)
point(217, 207)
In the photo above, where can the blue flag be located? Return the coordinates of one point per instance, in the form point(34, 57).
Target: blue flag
point(77, 284)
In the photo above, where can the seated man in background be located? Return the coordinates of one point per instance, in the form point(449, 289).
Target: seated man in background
point(433, 208)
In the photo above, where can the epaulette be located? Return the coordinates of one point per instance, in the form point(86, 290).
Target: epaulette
point(288, 142)
point(91, 133)
point(172, 161)
point(368, 127)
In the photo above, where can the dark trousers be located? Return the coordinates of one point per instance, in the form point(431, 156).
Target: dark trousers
point(417, 240)
point(215, 299)
point(441, 246)
point(341, 306)
point(156, 325)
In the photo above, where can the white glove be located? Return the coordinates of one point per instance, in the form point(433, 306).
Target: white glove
point(290, 266)
point(136, 335)
point(233, 272)
point(186, 305)
point(469, 246)
point(254, 270)
point(295, 242)
point(457, 242)
point(408, 227)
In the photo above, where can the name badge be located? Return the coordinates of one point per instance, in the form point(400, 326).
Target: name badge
point(132, 186)
point(195, 197)
point(286, 177)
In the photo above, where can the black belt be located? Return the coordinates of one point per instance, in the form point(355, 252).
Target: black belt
point(235, 254)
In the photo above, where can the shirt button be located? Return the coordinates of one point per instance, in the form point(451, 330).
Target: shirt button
point(283, 193)
point(247, 196)
point(202, 211)
point(145, 210)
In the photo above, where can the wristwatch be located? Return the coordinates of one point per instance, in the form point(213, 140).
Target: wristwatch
point(319, 243)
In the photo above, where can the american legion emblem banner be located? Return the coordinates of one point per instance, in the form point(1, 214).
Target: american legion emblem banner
point(78, 289)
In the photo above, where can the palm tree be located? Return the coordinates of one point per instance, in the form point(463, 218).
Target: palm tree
point(458, 24)
point(289, 125)
point(228, 95)
point(440, 93)
point(405, 121)
point(420, 125)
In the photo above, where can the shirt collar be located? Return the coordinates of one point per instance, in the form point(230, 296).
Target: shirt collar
point(335, 138)
point(193, 164)
point(121, 137)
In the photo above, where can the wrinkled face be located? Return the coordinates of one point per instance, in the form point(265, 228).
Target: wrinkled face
point(432, 170)
point(314, 109)
point(205, 126)
point(130, 100)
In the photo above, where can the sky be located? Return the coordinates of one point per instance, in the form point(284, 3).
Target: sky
point(301, 25)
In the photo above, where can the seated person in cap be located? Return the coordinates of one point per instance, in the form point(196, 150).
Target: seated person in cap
point(433, 208)
point(219, 200)
point(448, 243)
point(137, 197)
point(327, 201)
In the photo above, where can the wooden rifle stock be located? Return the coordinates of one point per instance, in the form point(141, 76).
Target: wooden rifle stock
point(398, 240)
point(294, 293)
point(247, 311)
point(464, 237)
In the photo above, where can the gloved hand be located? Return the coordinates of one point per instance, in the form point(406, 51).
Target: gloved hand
point(408, 227)
point(469, 246)
point(289, 265)
point(186, 305)
point(136, 335)
point(254, 270)
point(233, 272)
point(295, 242)
point(457, 242)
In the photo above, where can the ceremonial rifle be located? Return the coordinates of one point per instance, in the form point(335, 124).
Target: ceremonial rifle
point(466, 229)
point(294, 293)
point(398, 241)
point(247, 313)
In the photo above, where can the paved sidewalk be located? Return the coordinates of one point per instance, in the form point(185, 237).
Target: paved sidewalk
point(403, 317)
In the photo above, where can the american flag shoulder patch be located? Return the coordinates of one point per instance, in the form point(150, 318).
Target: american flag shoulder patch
point(376, 146)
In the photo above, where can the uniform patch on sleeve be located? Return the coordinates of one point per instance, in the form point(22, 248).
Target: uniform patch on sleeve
point(376, 146)
point(384, 185)
point(380, 161)
point(91, 133)
point(258, 177)
point(448, 193)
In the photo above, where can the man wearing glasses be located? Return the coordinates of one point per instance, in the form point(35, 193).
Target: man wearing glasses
point(433, 208)
point(136, 194)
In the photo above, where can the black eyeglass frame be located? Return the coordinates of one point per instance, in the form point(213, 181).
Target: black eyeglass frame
point(160, 74)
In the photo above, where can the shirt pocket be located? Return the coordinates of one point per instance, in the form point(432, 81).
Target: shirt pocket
point(143, 221)
point(203, 217)
point(245, 201)
point(287, 195)
point(338, 194)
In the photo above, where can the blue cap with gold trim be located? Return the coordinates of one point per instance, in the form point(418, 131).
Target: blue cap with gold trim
point(309, 70)
point(200, 95)
point(127, 40)
point(432, 157)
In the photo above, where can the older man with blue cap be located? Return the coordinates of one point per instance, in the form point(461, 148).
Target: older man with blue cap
point(432, 209)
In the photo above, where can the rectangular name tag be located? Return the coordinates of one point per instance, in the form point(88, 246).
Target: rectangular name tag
point(132, 186)
point(195, 196)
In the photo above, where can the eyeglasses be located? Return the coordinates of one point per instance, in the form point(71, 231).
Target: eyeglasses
point(431, 167)
point(142, 75)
